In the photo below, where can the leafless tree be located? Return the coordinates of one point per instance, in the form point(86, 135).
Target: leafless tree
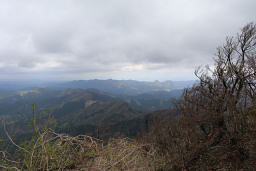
point(216, 128)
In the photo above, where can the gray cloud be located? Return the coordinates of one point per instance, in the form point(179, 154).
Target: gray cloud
point(118, 39)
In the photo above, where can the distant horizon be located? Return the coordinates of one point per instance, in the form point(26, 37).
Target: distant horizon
point(41, 80)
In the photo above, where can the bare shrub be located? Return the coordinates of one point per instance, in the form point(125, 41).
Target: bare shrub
point(216, 126)
point(52, 151)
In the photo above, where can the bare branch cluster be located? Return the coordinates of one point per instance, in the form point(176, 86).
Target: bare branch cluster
point(216, 128)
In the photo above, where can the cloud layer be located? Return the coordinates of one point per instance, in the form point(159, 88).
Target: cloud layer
point(120, 39)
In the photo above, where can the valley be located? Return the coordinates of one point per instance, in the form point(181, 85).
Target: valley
point(82, 109)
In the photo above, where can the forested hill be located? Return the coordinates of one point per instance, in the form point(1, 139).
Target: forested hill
point(82, 111)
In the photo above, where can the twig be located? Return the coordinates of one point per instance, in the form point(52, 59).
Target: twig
point(9, 137)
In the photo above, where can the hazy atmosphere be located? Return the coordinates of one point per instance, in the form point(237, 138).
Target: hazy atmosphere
point(127, 85)
point(115, 39)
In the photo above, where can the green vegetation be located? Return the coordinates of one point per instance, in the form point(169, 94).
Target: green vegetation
point(214, 129)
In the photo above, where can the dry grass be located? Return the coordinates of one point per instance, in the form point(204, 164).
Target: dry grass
point(52, 151)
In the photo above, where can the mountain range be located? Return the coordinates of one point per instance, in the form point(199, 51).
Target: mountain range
point(102, 108)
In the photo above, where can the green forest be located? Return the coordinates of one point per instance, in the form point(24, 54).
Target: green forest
point(208, 126)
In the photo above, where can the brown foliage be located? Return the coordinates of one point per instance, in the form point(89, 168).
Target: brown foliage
point(216, 128)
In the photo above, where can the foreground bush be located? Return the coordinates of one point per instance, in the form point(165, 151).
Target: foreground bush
point(52, 151)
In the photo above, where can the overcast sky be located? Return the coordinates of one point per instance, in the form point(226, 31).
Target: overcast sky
point(117, 39)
